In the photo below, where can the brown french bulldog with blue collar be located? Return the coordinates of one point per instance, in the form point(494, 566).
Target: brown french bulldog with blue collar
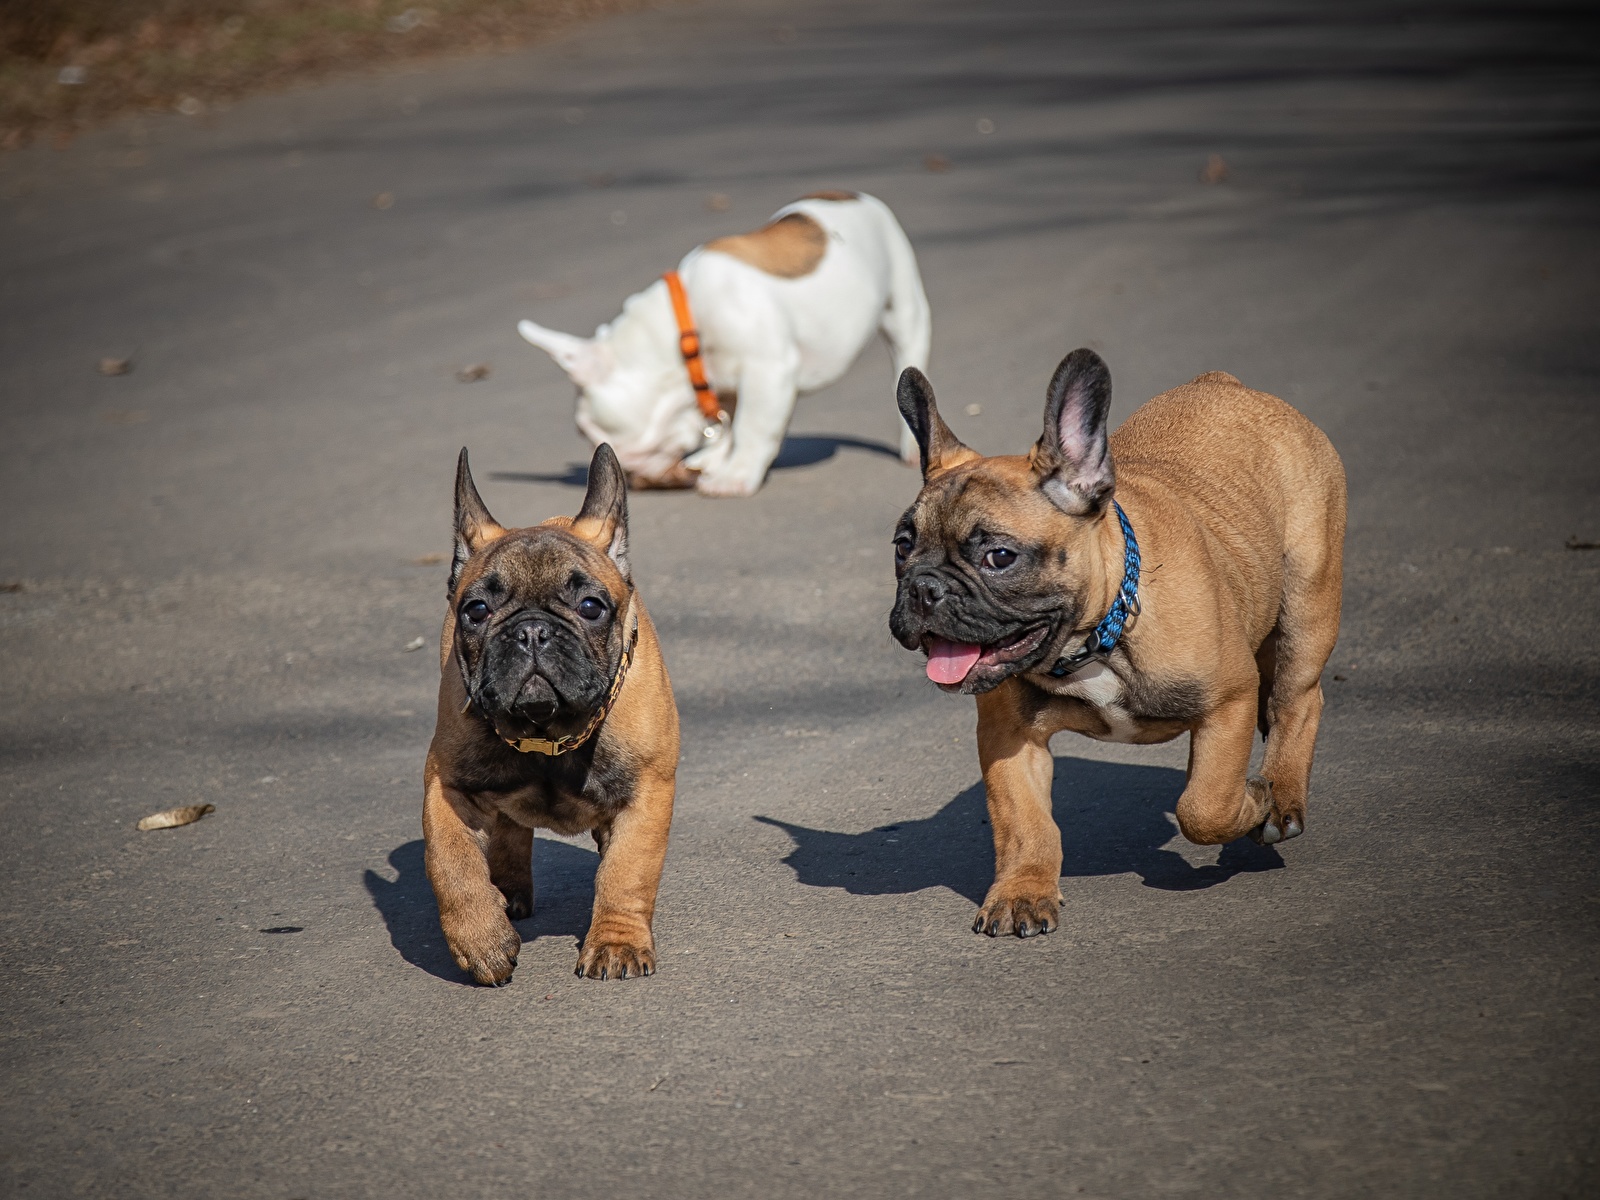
point(1179, 576)
point(555, 712)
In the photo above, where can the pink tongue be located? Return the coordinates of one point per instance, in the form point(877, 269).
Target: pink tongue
point(949, 662)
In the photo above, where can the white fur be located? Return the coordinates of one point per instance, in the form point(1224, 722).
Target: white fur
point(765, 337)
point(1098, 686)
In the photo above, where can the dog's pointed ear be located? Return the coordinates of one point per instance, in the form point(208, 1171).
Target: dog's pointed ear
point(475, 528)
point(586, 361)
point(1073, 456)
point(603, 519)
point(941, 449)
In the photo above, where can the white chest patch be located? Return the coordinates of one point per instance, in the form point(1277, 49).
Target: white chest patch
point(1097, 685)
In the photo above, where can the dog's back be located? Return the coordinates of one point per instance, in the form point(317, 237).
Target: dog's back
point(1250, 458)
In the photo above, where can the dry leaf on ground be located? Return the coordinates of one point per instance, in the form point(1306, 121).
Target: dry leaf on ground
point(1215, 170)
point(173, 817)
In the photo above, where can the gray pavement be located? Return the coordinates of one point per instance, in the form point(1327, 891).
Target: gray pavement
point(223, 554)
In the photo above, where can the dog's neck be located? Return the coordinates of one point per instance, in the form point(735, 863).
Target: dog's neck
point(1117, 580)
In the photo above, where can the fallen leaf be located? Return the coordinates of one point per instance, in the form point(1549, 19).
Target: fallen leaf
point(415, 644)
point(1576, 543)
point(383, 200)
point(936, 162)
point(718, 202)
point(173, 817)
point(974, 410)
point(1215, 170)
point(115, 366)
point(11, 587)
point(472, 373)
point(427, 560)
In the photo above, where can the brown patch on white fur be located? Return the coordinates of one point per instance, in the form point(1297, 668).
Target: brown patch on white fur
point(790, 247)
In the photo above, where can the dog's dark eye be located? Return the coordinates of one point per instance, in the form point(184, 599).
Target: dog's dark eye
point(999, 558)
point(902, 548)
point(591, 609)
point(474, 611)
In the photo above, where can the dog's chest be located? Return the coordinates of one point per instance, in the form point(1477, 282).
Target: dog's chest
point(1098, 686)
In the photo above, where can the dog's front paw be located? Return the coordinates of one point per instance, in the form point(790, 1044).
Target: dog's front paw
point(1283, 820)
point(726, 483)
point(1019, 911)
point(482, 942)
point(614, 958)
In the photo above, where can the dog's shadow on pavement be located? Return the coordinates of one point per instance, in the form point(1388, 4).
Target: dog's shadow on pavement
point(798, 450)
point(563, 895)
point(1113, 819)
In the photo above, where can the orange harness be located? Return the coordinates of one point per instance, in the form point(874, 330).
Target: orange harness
point(689, 347)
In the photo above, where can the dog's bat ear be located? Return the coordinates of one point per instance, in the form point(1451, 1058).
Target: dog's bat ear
point(475, 528)
point(1073, 455)
point(586, 361)
point(603, 519)
point(941, 449)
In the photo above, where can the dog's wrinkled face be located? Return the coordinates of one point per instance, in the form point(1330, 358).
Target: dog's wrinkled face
point(540, 612)
point(997, 557)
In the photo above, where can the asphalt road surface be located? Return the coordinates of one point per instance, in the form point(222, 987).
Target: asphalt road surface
point(223, 555)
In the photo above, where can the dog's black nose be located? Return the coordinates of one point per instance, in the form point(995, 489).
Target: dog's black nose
point(533, 635)
point(929, 592)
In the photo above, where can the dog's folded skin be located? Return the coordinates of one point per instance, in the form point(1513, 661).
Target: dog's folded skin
point(1006, 564)
point(780, 311)
point(546, 633)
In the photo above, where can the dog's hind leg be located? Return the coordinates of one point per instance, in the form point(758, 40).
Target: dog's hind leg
point(510, 855)
point(1307, 629)
point(1219, 803)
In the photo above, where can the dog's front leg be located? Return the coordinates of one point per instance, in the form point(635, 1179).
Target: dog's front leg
point(1025, 898)
point(760, 419)
point(632, 849)
point(1219, 802)
point(471, 908)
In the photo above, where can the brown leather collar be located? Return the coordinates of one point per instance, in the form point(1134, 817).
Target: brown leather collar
point(689, 347)
point(572, 741)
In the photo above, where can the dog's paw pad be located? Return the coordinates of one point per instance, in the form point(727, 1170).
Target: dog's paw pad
point(1024, 916)
point(615, 960)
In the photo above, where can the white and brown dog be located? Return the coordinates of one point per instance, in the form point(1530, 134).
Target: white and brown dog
point(694, 383)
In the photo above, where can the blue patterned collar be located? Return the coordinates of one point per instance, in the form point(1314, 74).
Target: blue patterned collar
point(1103, 640)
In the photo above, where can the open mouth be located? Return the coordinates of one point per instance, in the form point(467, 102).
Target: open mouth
point(949, 663)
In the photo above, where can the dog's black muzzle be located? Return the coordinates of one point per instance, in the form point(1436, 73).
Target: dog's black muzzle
point(535, 670)
point(931, 604)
